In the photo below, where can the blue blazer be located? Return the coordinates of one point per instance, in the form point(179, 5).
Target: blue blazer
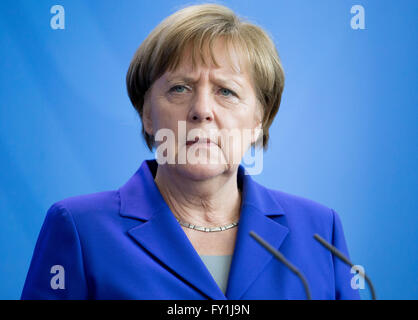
point(127, 244)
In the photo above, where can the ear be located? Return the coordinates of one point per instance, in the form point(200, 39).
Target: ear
point(258, 132)
point(258, 124)
point(146, 115)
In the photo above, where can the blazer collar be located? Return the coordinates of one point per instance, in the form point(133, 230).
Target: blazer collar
point(141, 199)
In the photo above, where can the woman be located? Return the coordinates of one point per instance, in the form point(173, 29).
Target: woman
point(179, 228)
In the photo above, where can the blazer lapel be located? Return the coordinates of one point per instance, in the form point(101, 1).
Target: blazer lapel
point(161, 235)
point(250, 257)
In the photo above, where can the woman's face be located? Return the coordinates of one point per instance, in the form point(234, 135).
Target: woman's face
point(203, 119)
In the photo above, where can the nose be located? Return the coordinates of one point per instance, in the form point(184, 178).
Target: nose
point(202, 108)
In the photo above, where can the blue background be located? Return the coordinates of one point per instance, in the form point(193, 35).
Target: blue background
point(345, 135)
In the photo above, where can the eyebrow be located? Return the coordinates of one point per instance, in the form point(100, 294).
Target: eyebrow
point(187, 79)
point(182, 78)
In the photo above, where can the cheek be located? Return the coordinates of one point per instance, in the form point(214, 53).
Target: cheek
point(251, 124)
point(238, 133)
point(245, 118)
point(166, 117)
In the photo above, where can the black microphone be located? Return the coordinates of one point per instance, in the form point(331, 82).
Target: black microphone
point(343, 258)
point(281, 258)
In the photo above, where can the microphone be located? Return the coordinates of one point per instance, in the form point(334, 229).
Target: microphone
point(281, 258)
point(343, 258)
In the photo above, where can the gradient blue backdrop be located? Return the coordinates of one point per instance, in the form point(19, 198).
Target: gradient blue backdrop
point(345, 135)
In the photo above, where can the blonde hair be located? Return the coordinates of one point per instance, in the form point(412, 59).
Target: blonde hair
point(200, 25)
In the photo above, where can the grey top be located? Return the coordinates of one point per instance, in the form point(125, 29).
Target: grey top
point(218, 267)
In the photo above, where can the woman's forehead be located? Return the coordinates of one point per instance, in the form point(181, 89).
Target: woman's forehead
point(218, 75)
point(223, 59)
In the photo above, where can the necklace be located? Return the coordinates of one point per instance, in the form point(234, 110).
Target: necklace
point(206, 229)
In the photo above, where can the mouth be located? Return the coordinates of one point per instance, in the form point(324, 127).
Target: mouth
point(205, 141)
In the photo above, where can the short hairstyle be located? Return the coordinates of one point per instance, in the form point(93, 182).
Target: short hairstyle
point(199, 25)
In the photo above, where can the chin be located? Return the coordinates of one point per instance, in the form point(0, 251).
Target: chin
point(202, 163)
point(201, 171)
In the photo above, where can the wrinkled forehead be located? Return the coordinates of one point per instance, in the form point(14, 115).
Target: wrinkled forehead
point(220, 54)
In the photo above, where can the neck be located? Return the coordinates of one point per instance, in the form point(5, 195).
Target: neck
point(211, 202)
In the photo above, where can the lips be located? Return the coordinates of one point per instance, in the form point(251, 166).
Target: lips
point(198, 140)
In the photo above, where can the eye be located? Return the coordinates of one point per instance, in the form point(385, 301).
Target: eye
point(226, 92)
point(178, 89)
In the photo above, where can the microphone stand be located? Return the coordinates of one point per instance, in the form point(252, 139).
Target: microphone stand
point(281, 258)
point(343, 258)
